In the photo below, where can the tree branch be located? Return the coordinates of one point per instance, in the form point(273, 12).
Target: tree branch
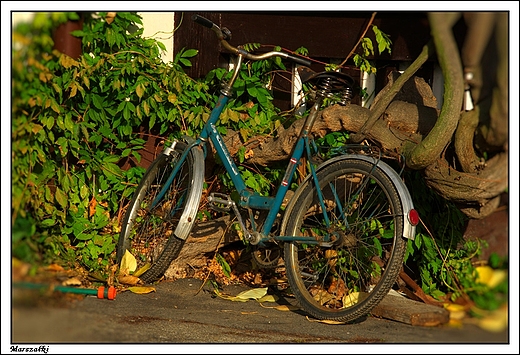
point(435, 142)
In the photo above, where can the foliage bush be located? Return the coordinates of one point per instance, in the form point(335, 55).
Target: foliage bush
point(76, 122)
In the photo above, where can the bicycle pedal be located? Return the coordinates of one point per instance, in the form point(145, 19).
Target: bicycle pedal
point(220, 202)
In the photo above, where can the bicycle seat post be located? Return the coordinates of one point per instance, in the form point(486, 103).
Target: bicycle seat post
point(227, 87)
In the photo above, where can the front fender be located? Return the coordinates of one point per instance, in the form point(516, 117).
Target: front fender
point(183, 229)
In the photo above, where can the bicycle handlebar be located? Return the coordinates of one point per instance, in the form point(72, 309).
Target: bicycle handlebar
point(222, 38)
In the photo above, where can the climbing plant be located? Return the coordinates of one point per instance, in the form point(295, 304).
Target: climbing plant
point(76, 122)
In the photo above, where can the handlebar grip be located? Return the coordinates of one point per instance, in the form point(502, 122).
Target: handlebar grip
point(202, 21)
point(299, 60)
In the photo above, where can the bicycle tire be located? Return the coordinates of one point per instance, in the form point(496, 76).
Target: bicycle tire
point(347, 279)
point(148, 233)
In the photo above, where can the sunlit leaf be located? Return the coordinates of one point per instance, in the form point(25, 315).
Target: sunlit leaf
point(283, 307)
point(129, 280)
point(61, 198)
point(139, 90)
point(244, 296)
point(490, 277)
point(268, 298)
point(128, 263)
point(142, 270)
point(255, 293)
point(325, 321)
point(141, 289)
point(353, 298)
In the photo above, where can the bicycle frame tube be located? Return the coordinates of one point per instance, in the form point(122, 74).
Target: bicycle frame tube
point(210, 131)
point(284, 185)
point(301, 145)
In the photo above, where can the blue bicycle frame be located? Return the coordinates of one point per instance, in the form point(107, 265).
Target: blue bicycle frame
point(249, 199)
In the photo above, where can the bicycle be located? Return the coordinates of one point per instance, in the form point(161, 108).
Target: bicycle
point(343, 232)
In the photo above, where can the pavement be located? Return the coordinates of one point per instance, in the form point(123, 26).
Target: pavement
point(185, 313)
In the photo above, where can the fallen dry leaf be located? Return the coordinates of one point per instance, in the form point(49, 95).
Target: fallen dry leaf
point(142, 270)
point(283, 307)
point(141, 289)
point(325, 321)
point(496, 321)
point(54, 267)
point(71, 282)
point(128, 263)
point(129, 280)
point(353, 298)
point(457, 311)
point(268, 298)
point(244, 296)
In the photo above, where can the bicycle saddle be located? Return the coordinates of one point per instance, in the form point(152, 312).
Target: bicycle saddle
point(339, 79)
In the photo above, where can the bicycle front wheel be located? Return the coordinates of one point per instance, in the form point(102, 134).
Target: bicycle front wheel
point(360, 250)
point(154, 212)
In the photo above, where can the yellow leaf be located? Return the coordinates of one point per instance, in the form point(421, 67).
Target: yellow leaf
point(128, 263)
point(326, 321)
point(484, 274)
point(142, 270)
point(36, 128)
point(283, 307)
point(73, 89)
point(71, 282)
point(146, 108)
point(139, 90)
point(457, 312)
point(497, 321)
point(141, 289)
point(172, 98)
point(229, 298)
point(255, 293)
point(353, 298)
point(489, 276)
point(233, 116)
point(68, 62)
point(244, 296)
point(323, 297)
point(268, 298)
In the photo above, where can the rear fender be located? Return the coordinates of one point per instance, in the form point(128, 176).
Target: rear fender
point(402, 190)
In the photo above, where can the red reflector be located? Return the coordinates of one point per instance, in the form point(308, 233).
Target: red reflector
point(413, 217)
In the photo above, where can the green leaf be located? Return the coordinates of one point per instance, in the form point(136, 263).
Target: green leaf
point(61, 198)
point(185, 62)
point(69, 125)
point(84, 191)
point(49, 222)
point(226, 269)
point(190, 53)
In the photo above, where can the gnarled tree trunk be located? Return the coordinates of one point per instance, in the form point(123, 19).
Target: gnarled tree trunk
point(404, 118)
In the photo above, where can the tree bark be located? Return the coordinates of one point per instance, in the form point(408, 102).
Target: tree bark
point(436, 141)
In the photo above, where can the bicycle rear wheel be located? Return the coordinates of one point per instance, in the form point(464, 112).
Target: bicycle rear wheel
point(344, 278)
point(148, 227)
